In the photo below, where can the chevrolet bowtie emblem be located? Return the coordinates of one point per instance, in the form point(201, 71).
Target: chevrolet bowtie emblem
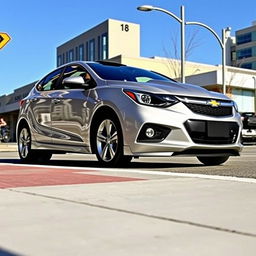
point(213, 103)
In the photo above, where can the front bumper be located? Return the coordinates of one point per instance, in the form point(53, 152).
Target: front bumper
point(182, 138)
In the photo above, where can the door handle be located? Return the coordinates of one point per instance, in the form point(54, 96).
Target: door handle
point(56, 101)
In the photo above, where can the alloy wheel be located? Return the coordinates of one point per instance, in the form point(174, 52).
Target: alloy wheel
point(107, 140)
point(24, 143)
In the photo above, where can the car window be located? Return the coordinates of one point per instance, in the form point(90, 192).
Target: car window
point(74, 71)
point(125, 73)
point(50, 82)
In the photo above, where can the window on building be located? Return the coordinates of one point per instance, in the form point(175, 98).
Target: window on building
point(244, 53)
point(247, 65)
point(87, 50)
point(59, 60)
point(244, 99)
point(91, 56)
point(76, 54)
point(71, 55)
point(81, 52)
point(104, 46)
point(66, 57)
point(244, 38)
point(233, 55)
point(63, 58)
point(98, 48)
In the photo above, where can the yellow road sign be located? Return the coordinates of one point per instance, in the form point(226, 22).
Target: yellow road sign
point(4, 39)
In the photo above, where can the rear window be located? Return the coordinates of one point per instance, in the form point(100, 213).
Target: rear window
point(125, 73)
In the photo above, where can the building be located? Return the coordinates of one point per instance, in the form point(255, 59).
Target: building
point(9, 106)
point(104, 41)
point(243, 50)
point(241, 85)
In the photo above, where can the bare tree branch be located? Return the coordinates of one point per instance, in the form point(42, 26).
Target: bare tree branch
point(173, 55)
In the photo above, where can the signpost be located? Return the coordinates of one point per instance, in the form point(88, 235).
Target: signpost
point(4, 39)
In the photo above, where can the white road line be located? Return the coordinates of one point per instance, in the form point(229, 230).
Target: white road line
point(138, 171)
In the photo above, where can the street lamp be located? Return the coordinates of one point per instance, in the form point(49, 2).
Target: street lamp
point(147, 8)
point(222, 43)
point(181, 20)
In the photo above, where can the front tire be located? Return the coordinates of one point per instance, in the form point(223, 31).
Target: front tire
point(108, 142)
point(212, 160)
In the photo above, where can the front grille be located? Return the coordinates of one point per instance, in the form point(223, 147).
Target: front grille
point(212, 132)
point(209, 110)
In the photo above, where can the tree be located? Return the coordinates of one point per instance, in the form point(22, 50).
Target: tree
point(173, 54)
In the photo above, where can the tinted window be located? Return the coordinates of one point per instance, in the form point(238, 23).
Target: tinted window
point(50, 81)
point(125, 73)
point(244, 53)
point(247, 65)
point(245, 38)
point(75, 71)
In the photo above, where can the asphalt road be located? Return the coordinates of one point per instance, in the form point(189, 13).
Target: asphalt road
point(160, 206)
point(243, 166)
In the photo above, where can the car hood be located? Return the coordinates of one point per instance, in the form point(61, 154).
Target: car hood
point(166, 87)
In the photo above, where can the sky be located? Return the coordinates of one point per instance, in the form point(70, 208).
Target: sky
point(38, 27)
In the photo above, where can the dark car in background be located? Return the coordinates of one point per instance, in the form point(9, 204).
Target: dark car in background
point(249, 127)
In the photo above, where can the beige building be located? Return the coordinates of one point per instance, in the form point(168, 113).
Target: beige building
point(165, 66)
point(104, 41)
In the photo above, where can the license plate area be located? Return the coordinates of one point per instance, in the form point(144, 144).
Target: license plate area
point(212, 132)
point(218, 129)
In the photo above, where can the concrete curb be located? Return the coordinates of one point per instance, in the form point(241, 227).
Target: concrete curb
point(8, 147)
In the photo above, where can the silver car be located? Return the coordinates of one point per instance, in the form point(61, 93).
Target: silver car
point(119, 112)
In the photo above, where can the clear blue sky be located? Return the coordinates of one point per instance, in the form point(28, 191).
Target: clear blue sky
point(38, 27)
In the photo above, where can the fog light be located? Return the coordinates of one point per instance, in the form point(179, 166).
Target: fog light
point(153, 133)
point(150, 132)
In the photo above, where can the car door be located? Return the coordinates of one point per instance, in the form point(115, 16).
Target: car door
point(40, 105)
point(69, 113)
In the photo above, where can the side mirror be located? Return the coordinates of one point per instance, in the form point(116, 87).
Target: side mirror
point(77, 81)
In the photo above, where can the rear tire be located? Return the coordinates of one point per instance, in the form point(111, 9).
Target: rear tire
point(212, 160)
point(28, 155)
point(108, 142)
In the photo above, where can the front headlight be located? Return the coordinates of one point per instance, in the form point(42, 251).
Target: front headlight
point(150, 99)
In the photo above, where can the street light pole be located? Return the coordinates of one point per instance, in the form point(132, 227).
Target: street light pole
point(182, 41)
point(223, 46)
point(222, 43)
point(182, 21)
point(147, 8)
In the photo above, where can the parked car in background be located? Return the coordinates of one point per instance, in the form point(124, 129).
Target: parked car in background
point(119, 112)
point(249, 127)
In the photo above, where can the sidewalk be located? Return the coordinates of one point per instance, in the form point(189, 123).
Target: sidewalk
point(6, 147)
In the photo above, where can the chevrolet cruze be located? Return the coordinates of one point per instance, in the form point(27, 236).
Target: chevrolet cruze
point(119, 112)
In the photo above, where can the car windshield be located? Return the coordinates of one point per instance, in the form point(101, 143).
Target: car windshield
point(125, 73)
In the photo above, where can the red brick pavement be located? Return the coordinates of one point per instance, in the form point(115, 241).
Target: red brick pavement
point(12, 176)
